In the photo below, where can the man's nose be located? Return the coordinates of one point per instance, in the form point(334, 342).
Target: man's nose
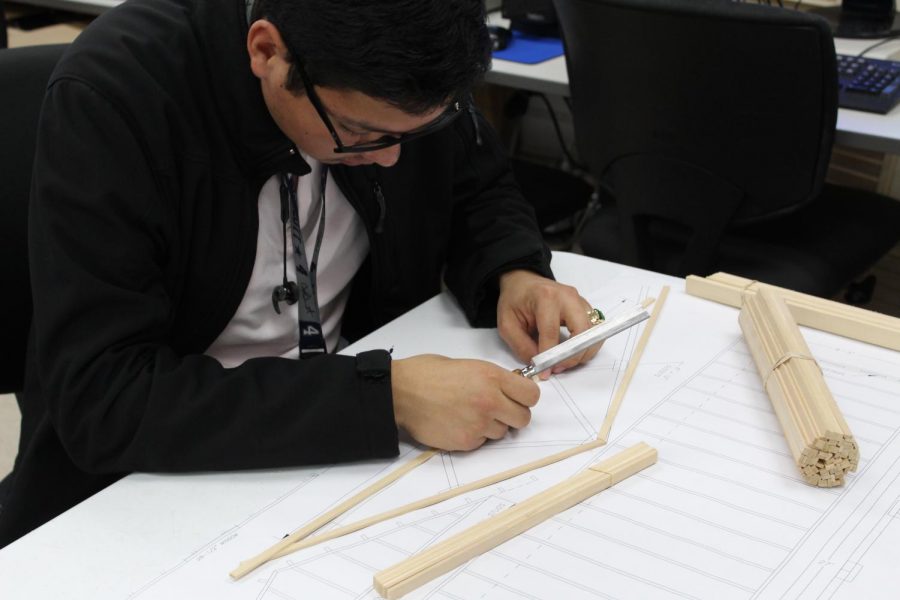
point(386, 157)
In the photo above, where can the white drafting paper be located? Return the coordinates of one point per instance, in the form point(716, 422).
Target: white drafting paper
point(723, 515)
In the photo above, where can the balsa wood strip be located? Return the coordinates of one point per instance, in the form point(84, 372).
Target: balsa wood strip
point(327, 517)
point(445, 495)
point(830, 307)
point(412, 573)
point(815, 429)
point(729, 289)
point(825, 315)
point(616, 401)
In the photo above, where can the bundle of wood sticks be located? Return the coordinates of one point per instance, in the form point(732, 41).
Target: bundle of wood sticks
point(421, 568)
point(817, 433)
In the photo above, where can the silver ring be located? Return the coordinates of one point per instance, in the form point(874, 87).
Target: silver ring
point(595, 315)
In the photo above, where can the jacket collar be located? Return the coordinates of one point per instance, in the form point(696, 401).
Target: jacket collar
point(221, 27)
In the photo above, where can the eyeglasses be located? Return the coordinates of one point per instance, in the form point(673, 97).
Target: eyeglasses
point(447, 117)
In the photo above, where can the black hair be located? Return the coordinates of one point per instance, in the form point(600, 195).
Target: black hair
point(416, 55)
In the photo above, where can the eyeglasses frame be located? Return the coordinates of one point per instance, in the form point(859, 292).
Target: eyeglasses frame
point(446, 118)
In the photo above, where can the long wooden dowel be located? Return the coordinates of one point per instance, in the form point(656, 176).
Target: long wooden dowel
point(825, 315)
point(298, 540)
point(327, 517)
point(616, 402)
point(446, 495)
point(421, 568)
point(822, 305)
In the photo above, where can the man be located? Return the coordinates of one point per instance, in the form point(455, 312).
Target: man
point(221, 195)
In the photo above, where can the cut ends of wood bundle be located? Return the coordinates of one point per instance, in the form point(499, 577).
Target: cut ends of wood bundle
point(830, 456)
point(816, 432)
point(419, 569)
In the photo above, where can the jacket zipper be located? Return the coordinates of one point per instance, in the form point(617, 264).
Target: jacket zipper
point(382, 207)
point(372, 231)
point(474, 118)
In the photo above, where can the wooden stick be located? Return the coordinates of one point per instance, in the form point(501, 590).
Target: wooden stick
point(616, 401)
point(270, 553)
point(817, 433)
point(440, 497)
point(297, 541)
point(813, 306)
point(421, 568)
point(825, 315)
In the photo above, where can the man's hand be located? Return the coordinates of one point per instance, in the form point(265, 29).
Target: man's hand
point(530, 312)
point(456, 404)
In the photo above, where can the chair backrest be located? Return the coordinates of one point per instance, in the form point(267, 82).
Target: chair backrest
point(24, 73)
point(700, 114)
point(4, 40)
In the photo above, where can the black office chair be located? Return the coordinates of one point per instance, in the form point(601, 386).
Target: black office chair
point(24, 73)
point(4, 40)
point(709, 125)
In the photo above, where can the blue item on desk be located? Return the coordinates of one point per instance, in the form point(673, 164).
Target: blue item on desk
point(530, 49)
point(868, 84)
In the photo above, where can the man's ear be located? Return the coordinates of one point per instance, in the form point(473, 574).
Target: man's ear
point(265, 47)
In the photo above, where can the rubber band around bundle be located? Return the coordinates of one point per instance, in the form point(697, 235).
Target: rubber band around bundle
point(747, 288)
point(781, 361)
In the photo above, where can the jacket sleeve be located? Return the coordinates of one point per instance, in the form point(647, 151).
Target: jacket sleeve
point(118, 395)
point(494, 229)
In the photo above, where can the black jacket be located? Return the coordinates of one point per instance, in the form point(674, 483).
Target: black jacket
point(153, 146)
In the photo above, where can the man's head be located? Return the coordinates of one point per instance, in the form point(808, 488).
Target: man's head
point(375, 67)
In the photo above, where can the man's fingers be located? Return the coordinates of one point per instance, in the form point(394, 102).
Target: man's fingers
point(575, 316)
point(591, 352)
point(496, 430)
point(548, 322)
point(518, 338)
point(540, 312)
point(520, 390)
point(513, 414)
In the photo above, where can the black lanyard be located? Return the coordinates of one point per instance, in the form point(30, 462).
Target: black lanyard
point(312, 339)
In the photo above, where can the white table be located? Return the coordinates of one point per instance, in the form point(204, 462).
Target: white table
point(867, 131)
point(722, 515)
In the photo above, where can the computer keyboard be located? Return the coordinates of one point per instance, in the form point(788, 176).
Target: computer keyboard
point(868, 84)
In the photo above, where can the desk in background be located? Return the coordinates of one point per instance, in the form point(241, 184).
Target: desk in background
point(866, 131)
point(88, 7)
point(723, 515)
point(879, 133)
